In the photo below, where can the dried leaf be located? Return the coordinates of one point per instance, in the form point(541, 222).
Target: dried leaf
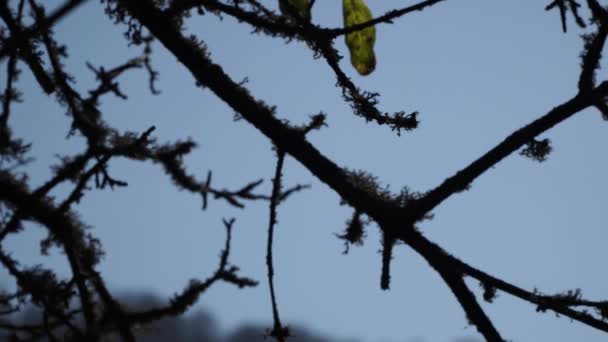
point(361, 42)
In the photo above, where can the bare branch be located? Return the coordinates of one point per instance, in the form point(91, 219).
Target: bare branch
point(279, 332)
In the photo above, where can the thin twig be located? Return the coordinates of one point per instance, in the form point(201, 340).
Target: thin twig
point(279, 332)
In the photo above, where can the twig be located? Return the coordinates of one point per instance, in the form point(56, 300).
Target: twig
point(279, 332)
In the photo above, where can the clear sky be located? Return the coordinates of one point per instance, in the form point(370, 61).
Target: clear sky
point(476, 70)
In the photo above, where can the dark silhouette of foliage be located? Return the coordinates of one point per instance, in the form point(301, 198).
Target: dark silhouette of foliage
point(82, 308)
point(196, 326)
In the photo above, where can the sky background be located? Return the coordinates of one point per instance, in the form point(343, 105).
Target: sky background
point(475, 70)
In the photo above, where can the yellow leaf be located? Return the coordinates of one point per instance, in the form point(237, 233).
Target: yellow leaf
point(360, 43)
point(300, 5)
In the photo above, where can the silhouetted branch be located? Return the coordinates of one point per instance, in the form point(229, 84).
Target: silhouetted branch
point(395, 214)
point(474, 311)
point(80, 250)
point(39, 26)
point(213, 77)
point(190, 295)
point(45, 290)
point(594, 43)
point(113, 309)
point(441, 260)
point(388, 243)
point(463, 178)
point(279, 332)
point(170, 158)
point(10, 94)
point(363, 103)
point(564, 6)
point(26, 50)
point(386, 18)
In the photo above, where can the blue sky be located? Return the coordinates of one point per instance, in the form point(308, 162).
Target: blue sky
point(476, 70)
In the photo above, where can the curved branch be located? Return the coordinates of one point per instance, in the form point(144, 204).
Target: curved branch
point(463, 178)
point(442, 261)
